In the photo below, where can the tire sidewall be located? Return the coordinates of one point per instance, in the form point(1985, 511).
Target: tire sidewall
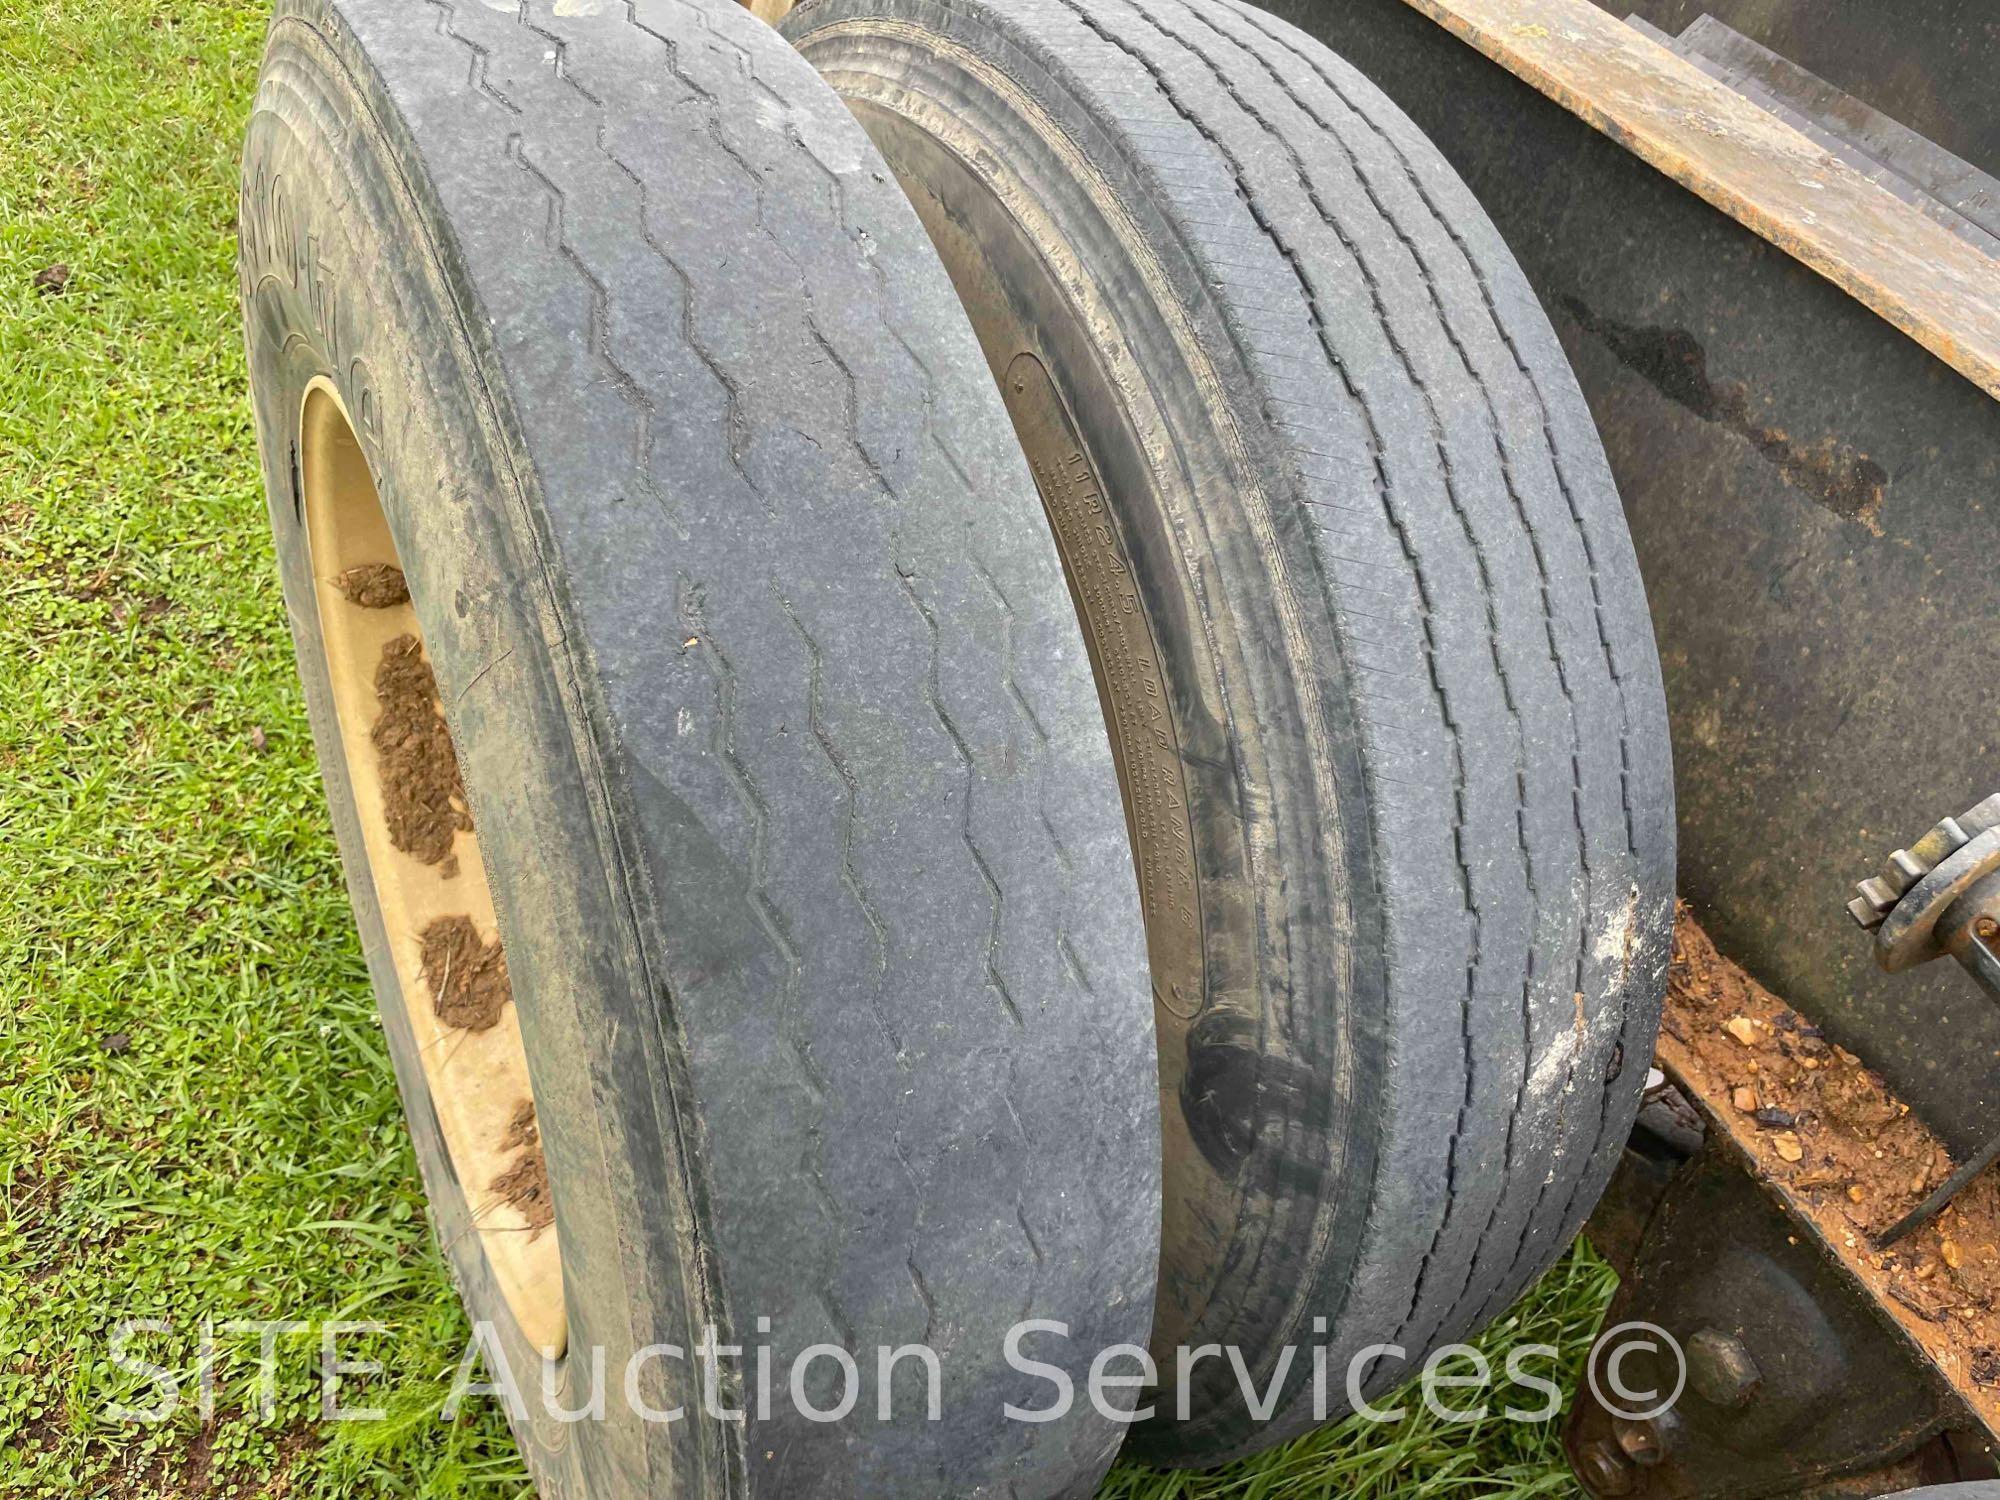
point(343, 281)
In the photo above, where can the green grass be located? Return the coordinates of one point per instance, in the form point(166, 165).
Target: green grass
point(198, 1117)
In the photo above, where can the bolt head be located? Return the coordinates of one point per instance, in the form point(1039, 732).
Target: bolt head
point(1604, 1469)
point(1646, 1441)
point(1720, 1369)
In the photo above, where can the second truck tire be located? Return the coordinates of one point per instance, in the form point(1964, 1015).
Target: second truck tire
point(1370, 639)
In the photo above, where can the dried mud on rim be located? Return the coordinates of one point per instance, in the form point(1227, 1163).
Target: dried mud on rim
point(1844, 1155)
point(467, 977)
point(423, 798)
point(524, 1187)
point(424, 804)
point(374, 586)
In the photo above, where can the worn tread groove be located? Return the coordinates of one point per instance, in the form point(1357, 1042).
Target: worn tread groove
point(775, 926)
point(1317, 315)
point(1561, 464)
point(994, 978)
point(815, 713)
point(1536, 545)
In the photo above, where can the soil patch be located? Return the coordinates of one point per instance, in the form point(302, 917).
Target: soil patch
point(191, 1472)
point(467, 977)
point(373, 586)
point(521, 1129)
point(524, 1187)
point(423, 798)
point(1849, 1157)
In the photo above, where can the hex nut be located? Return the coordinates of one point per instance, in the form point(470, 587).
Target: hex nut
point(1720, 1369)
point(1604, 1469)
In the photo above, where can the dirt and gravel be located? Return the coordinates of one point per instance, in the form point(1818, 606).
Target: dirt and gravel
point(1843, 1151)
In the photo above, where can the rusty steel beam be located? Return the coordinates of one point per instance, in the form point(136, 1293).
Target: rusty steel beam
point(1760, 171)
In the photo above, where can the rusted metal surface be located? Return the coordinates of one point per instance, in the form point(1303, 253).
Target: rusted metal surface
point(1880, 250)
point(1926, 63)
point(1834, 1172)
point(1941, 895)
point(1802, 1364)
point(1888, 153)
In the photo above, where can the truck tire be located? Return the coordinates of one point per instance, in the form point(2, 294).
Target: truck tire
point(766, 861)
point(1370, 638)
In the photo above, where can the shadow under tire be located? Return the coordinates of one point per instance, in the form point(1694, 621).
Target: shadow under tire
point(1371, 642)
point(607, 330)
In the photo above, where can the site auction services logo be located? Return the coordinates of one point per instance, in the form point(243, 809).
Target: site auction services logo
point(1655, 1346)
point(1634, 1370)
